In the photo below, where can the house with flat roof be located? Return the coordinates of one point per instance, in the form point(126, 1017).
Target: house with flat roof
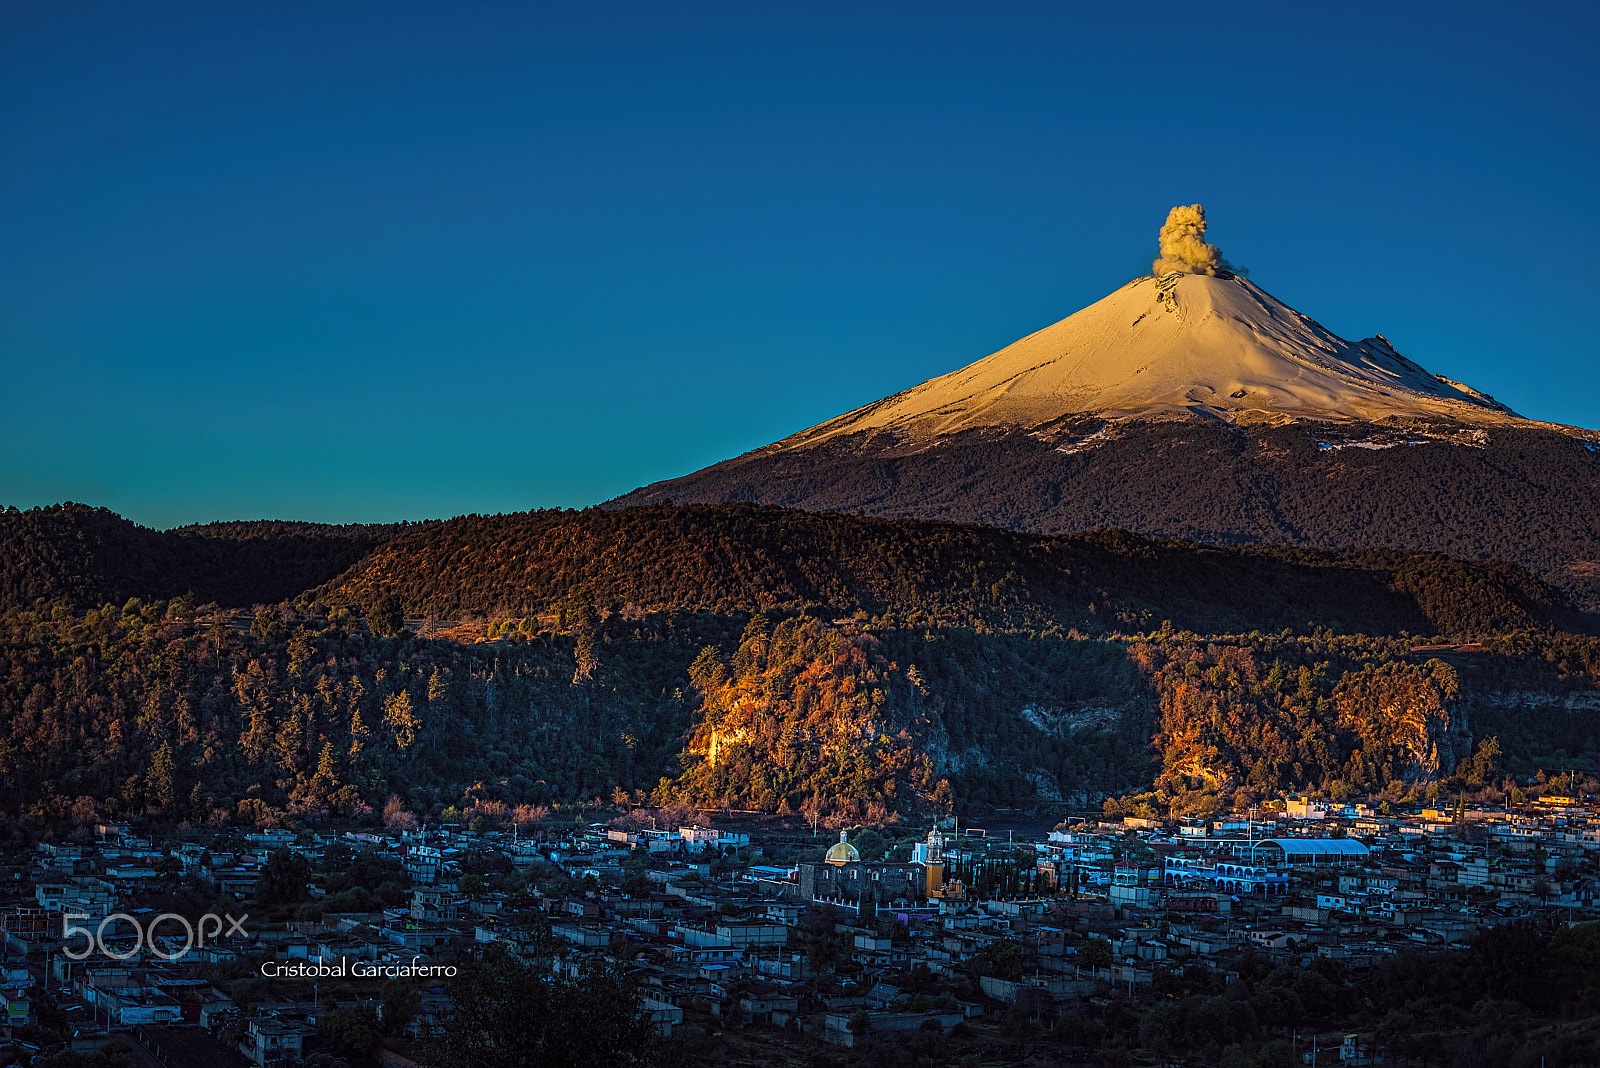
point(268, 1040)
point(1286, 852)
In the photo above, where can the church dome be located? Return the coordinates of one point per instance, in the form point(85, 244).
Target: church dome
point(844, 852)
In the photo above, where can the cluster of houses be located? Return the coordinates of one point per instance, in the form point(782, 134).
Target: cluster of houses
point(1312, 881)
point(833, 947)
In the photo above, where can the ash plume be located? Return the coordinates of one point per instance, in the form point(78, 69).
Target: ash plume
point(1183, 244)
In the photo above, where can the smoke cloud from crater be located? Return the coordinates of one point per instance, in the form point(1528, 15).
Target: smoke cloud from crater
point(1183, 244)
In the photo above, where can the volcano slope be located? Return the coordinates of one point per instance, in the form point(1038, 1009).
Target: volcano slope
point(1527, 495)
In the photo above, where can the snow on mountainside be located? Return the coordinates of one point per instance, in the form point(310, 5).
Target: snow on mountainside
point(1184, 344)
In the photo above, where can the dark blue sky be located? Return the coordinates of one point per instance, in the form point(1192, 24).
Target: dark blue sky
point(360, 262)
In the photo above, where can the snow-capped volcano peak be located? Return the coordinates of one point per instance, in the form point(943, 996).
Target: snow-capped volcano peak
point(1206, 344)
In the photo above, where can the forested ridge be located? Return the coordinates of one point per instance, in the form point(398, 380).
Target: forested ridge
point(741, 558)
point(783, 661)
point(87, 556)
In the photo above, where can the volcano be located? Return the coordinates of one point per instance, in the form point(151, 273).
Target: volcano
point(1194, 404)
point(1198, 345)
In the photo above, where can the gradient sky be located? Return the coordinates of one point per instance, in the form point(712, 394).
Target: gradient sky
point(358, 262)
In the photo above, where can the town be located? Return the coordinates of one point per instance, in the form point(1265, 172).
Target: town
point(743, 934)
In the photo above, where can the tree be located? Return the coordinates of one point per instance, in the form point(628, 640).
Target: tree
point(1512, 961)
point(115, 1055)
point(255, 812)
point(267, 625)
point(353, 1030)
point(506, 1013)
point(1479, 769)
point(200, 801)
point(438, 690)
point(283, 879)
point(1095, 953)
point(302, 648)
point(1575, 950)
point(529, 817)
point(386, 617)
point(577, 614)
point(400, 718)
point(327, 776)
point(358, 734)
point(395, 815)
point(159, 779)
point(1000, 959)
point(397, 1000)
point(707, 673)
point(337, 857)
point(585, 659)
point(871, 845)
point(813, 811)
point(168, 867)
